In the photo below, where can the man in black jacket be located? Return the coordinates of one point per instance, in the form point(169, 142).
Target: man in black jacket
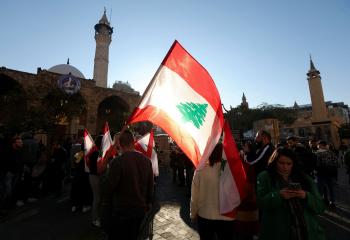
point(259, 157)
point(327, 170)
point(14, 169)
point(127, 191)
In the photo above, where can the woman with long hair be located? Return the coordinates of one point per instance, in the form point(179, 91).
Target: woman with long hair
point(205, 200)
point(288, 199)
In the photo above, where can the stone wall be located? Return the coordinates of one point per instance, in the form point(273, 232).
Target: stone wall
point(37, 86)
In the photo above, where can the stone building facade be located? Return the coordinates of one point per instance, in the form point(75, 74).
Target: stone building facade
point(320, 119)
point(305, 128)
point(101, 104)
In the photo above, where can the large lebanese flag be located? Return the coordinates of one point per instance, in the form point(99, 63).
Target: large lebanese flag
point(232, 177)
point(183, 100)
point(145, 145)
point(89, 148)
point(107, 149)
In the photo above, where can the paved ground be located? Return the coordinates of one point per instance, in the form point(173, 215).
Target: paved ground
point(51, 219)
point(337, 221)
point(343, 189)
point(172, 220)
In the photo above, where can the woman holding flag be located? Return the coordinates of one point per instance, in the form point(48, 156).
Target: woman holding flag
point(205, 200)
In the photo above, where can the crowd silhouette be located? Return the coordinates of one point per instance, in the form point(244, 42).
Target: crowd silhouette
point(288, 183)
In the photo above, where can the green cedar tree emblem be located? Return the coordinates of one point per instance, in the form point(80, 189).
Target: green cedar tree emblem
point(193, 112)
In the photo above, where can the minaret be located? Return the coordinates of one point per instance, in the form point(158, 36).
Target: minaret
point(244, 103)
point(295, 105)
point(103, 37)
point(319, 110)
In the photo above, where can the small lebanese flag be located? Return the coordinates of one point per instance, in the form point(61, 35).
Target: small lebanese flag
point(89, 148)
point(183, 100)
point(233, 177)
point(107, 149)
point(145, 145)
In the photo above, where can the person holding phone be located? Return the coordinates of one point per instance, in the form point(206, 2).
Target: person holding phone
point(289, 200)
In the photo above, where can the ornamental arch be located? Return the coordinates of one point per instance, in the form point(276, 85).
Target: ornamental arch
point(114, 110)
point(107, 104)
point(65, 112)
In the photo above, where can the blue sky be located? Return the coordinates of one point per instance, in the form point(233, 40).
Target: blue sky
point(257, 47)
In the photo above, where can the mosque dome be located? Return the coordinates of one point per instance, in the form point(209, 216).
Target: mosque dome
point(66, 69)
point(124, 86)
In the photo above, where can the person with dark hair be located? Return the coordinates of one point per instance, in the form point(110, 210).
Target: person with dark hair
point(313, 145)
point(30, 150)
point(282, 143)
point(127, 191)
point(81, 195)
point(94, 179)
point(205, 200)
point(67, 145)
point(173, 161)
point(30, 159)
point(327, 171)
point(15, 173)
point(259, 157)
point(177, 163)
point(247, 218)
point(342, 150)
point(39, 171)
point(55, 171)
point(306, 160)
point(292, 142)
point(180, 165)
point(288, 199)
point(189, 169)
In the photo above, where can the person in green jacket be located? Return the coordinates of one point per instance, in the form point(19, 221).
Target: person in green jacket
point(288, 200)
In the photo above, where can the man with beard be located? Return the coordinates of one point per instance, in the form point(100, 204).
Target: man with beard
point(260, 152)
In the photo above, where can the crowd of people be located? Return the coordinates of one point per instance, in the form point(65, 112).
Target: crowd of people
point(122, 194)
point(30, 170)
point(288, 184)
point(182, 168)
